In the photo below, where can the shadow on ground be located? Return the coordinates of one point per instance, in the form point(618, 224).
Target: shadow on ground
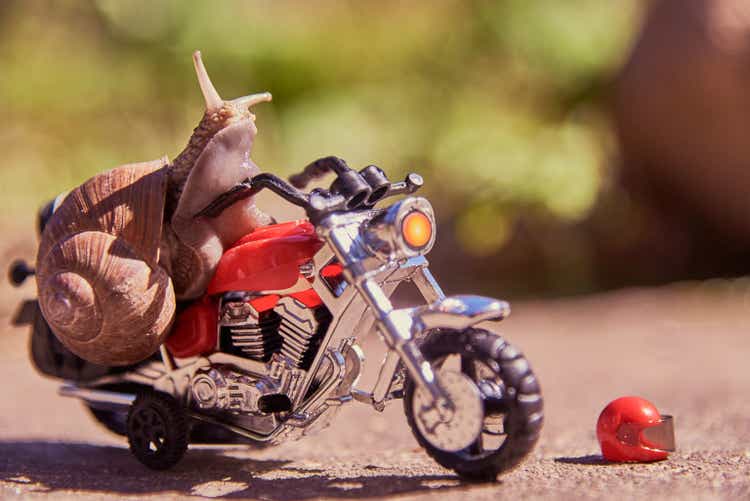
point(590, 460)
point(54, 466)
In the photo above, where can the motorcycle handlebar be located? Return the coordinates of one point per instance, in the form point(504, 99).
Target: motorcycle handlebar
point(351, 190)
point(370, 181)
point(250, 187)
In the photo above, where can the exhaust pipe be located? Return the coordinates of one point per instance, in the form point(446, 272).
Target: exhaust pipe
point(94, 397)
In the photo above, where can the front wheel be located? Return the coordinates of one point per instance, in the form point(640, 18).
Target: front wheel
point(510, 397)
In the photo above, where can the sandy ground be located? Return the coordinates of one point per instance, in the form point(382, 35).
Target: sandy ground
point(684, 347)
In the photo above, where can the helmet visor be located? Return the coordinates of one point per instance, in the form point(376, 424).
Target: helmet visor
point(657, 436)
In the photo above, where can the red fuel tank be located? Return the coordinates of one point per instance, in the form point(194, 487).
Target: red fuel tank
point(195, 329)
point(266, 259)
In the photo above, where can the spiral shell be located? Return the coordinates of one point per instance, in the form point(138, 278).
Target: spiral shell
point(100, 286)
point(104, 288)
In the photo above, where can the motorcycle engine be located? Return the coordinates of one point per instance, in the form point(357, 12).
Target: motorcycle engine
point(289, 329)
point(221, 388)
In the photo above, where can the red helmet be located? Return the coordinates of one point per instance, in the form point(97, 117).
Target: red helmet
point(631, 429)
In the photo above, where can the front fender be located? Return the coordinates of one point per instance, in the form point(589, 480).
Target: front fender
point(459, 312)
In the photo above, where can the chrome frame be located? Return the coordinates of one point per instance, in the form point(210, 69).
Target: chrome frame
point(347, 236)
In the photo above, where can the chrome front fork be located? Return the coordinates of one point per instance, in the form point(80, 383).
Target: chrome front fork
point(397, 328)
point(431, 291)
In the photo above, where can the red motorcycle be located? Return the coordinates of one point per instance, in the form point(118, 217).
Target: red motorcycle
point(270, 352)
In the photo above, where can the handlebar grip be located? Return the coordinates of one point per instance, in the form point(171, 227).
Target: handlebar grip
point(317, 169)
point(409, 185)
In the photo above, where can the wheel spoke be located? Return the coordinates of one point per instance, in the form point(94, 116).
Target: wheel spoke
point(149, 431)
point(468, 367)
point(494, 405)
point(137, 422)
point(477, 447)
point(153, 418)
point(142, 440)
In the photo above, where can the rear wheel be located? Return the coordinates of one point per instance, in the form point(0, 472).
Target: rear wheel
point(158, 430)
point(510, 395)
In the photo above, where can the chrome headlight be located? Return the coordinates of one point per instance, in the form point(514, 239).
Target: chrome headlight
point(405, 229)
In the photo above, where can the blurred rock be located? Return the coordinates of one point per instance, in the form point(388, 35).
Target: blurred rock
point(682, 114)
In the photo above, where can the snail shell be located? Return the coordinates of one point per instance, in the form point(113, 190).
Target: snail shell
point(100, 287)
point(123, 245)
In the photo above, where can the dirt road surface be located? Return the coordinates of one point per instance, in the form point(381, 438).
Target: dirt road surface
point(685, 347)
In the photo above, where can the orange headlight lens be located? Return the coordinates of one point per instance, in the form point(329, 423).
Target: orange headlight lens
point(417, 229)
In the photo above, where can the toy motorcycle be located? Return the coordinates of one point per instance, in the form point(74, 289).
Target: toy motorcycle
point(270, 352)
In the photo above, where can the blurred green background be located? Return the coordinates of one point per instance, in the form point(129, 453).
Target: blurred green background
point(501, 105)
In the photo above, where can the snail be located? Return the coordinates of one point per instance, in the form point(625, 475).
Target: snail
point(123, 247)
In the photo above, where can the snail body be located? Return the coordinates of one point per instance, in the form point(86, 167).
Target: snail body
point(124, 246)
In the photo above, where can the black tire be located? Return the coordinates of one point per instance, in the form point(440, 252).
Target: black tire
point(52, 358)
point(158, 431)
point(511, 396)
point(114, 421)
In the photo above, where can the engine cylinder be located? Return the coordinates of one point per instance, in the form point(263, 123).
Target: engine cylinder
point(290, 329)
